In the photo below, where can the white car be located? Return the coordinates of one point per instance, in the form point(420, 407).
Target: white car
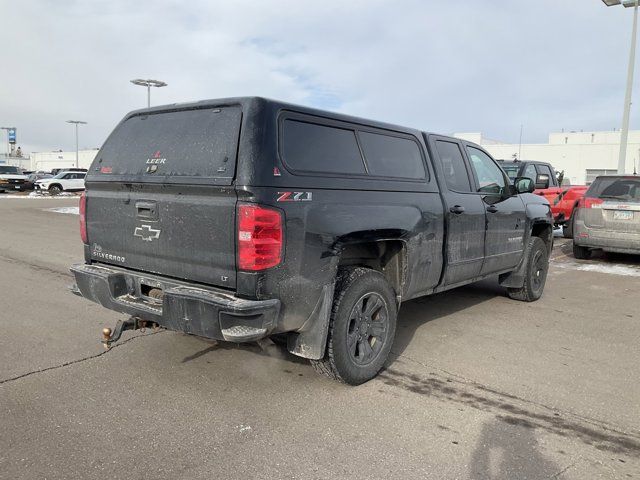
point(63, 182)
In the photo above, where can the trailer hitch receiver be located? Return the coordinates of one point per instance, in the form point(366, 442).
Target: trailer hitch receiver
point(133, 323)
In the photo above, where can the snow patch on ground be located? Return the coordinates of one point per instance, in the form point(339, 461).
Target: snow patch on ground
point(34, 195)
point(68, 210)
point(623, 270)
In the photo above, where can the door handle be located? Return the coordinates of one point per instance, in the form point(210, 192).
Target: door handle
point(492, 209)
point(147, 209)
point(457, 209)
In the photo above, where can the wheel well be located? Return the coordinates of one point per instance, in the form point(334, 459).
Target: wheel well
point(545, 232)
point(386, 256)
point(55, 185)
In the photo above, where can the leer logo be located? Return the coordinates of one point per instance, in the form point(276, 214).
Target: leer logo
point(156, 158)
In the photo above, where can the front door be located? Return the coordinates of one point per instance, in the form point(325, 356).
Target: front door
point(506, 218)
point(464, 213)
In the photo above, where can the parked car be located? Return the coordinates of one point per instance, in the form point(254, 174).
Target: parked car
point(563, 198)
point(276, 219)
point(64, 181)
point(33, 178)
point(55, 171)
point(608, 217)
point(11, 178)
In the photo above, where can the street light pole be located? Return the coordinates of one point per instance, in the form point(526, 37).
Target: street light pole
point(76, 123)
point(624, 135)
point(148, 83)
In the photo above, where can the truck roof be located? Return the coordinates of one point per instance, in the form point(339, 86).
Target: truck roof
point(523, 161)
point(250, 102)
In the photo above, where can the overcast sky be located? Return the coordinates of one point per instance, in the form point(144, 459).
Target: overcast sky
point(438, 65)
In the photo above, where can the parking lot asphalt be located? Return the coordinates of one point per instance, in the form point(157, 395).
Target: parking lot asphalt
point(478, 386)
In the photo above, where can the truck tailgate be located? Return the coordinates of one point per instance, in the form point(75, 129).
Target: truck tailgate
point(177, 231)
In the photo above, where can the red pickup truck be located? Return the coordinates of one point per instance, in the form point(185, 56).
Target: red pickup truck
point(562, 199)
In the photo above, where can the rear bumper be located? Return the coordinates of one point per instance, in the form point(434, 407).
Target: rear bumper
point(206, 312)
point(607, 240)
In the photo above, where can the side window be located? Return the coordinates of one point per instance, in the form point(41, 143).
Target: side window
point(545, 170)
point(455, 172)
point(81, 176)
point(490, 176)
point(530, 172)
point(68, 176)
point(310, 147)
point(388, 156)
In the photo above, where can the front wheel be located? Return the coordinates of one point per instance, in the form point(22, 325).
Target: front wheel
point(536, 269)
point(55, 189)
point(567, 229)
point(362, 327)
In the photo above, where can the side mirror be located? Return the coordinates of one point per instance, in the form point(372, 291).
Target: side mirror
point(542, 181)
point(524, 185)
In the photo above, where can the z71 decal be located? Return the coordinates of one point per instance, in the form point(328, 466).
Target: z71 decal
point(294, 196)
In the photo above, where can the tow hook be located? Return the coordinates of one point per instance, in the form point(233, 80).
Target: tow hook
point(133, 323)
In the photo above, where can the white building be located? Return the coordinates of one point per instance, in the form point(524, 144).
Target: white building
point(582, 155)
point(22, 162)
point(49, 160)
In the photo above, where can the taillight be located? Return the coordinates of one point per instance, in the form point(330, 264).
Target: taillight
point(259, 237)
point(591, 202)
point(83, 217)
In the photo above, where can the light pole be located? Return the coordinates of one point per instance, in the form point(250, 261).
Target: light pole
point(76, 123)
point(624, 134)
point(148, 83)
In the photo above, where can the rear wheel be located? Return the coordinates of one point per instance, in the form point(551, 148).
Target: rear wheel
point(536, 265)
point(362, 327)
point(567, 229)
point(581, 253)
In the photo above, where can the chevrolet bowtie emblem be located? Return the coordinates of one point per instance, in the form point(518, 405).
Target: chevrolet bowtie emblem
point(146, 233)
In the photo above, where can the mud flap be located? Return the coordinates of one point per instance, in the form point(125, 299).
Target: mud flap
point(516, 278)
point(311, 341)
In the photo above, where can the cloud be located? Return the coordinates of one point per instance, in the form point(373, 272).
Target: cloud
point(436, 65)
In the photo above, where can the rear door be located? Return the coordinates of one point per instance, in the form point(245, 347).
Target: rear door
point(160, 197)
point(80, 180)
point(464, 213)
point(505, 213)
point(74, 181)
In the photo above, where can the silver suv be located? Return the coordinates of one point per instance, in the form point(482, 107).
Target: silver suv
point(608, 217)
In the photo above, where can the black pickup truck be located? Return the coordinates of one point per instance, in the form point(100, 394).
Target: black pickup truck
point(245, 218)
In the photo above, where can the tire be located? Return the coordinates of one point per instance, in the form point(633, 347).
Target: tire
point(362, 327)
point(581, 253)
point(567, 229)
point(55, 189)
point(537, 267)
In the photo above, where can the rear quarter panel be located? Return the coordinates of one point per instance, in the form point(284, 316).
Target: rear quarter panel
point(316, 230)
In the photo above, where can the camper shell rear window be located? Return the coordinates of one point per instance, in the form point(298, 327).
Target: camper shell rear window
point(179, 144)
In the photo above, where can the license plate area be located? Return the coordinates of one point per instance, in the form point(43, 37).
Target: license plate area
point(622, 215)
